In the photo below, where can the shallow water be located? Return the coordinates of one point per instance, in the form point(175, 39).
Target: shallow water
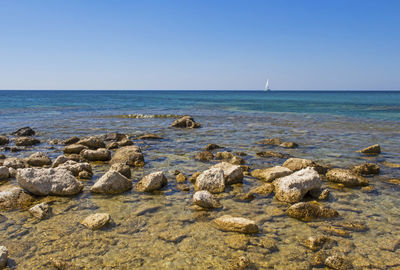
point(163, 230)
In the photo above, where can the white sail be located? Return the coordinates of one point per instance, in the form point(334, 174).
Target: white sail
point(267, 86)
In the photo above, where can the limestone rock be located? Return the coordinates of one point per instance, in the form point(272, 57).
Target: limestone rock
point(318, 242)
point(269, 154)
point(100, 154)
point(271, 174)
point(292, 188)
point(273, 141)
point(151, 182)
point(236, 224)
point(3, 256)
point(112, 182)
point(96, 221)
point(4, 173)
point(180, 178)
point(48, 181)
point(75, 167)
point(38, 159)
point(185, 122)
point(92, 142)
point(71, 140)
point(40, 211)
point(112, 145)
point(204, 156)
point(372, 150)
point(232, 173)
point(366, 169)
point(289, 145)
point(123, 169)
point(59, 160)
point(26, 141)
point(307, 211)
point(264, 189)
point(296, 164)
point(205, 199)
point(129, 155)
point(211, 180)
point(4, 140)
point(115, 136)
point(125, 142)
point(74, 148)
point(211, 146)
point(13, 162)
point(150, 136)
point(338, 263)
point(25, 131)
point(85, 175)
point(345, 177)
point(14, 198)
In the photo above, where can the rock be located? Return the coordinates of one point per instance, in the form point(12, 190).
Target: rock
point(185, 122)
point(319, 242)
point(373, 150)
point(115, 136)
point(180, 178)
point(112, 182)
point(211, 146)
point(272, 154)
point(338, 263)
point(289, 145)
point(352, 226)
point(172, 236)
point(26, 141)
point(40, 211)
point(240, 263)
point(236, 224)
point(13, 172)
point(390, 244)
point(292, 188)
point(237, 160)
point(273, 141)
point(271, 174)
point(264, 189)
point(16, 149)
point(182, 187)
point(4, 173)
point(74, 148)
point(334, 231)
point(96, 221)
point(296, 164)
point(233, 174)
point(92, 143)
point(71, 140)
point(125, 142)
point(48, 181)
point(394, 181)
point(237, 241)
point(38, 159)
point(205, 199)
point(3, 256)
point(345, 177)
point(150, 136)
point(54, 142)
point(193, 177)
point(390, 164)
point(14, 198)
point(4, 140)
point(123, 169)
point(65, 265)
point(59, 160)
point(211, 180)
point(113, 145)
point(84, 175)
point(74, 157)
point(204, 156)
point(307, 211)
point(151, 182)
point(129, 155)
point(2, 156)
point(100, 154)
point(366, 169)
point(76, 168)
point(25, 131)
point(14, 162)
point(319, 194)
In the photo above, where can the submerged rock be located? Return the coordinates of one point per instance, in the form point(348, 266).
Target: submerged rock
point(185, 122)
point(48, 181)
point(289, 145)
point(96, 221)
point(26, 141)
point(100, 154)
point(4, 173)
point(264, 189)
point(3, 256)
point(92, 142)
point(4, 140)
point(115, 136)
point(272, 154)
point(112, 182)
point(180, 178)
point(338, 263)
point(40, 211)
point(296, 164)
point(292, 188)
point(14, 198)
point(204, 156)
point(205, 199)
point(129, 155)
point(373, 150)
point(308, 211)
point(71, 140)
point(211, 146)
point(25, 131)
point(366, 169)
point(236, 224)
point(151, 182)
point(125, 142)
point(233, 174)
point(345, 177)
point(320, 242)
point(193, 177)
point(273, 141)
point(229, 157)
point(150, 136)
point(211, 180)
point(271, 174)
point(123, 169)
point(38, 159)
point(74, 148)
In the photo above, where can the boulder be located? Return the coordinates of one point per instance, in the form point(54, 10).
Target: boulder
point(25, 131)
point(292, 188)
point(3, 256)
point(150, 136)
point(296, 164)
point(211, 146)
point(76, 168)
point(233, 174)
point(129, 155)
point(236, 224)
point(100, 154)
point(96, 221)
point(26, 141)
point(366, 169)
point(38, 159)
point(13, 162)
point(372, 150)
point(40, 211)
point(59, 160)
point(345, 177)
point(271, 174)
point(48, 181)
point(185, 122)
point(308, 211)
point(112, 182)
point(92, 142)
point(74, 148)
point(114, 136)
point(204, 156)
point(289, 145)
point(4, 173)
point(211, 180)
point(272, 141)
point(123, 169)
point(151, 182)
point(12, 197)
point(4, 140)
point(71, 140)
point(205, 199)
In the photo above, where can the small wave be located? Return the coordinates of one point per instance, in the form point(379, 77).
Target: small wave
point(144, 116)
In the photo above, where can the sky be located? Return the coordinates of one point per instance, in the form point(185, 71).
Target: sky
point(200, 44)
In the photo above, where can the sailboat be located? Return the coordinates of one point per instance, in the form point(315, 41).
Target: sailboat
point(267, 86)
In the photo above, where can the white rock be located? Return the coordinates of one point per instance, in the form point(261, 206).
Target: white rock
point(211, 180)
point(40, 211)
point(112, 182)
point(150, 182)
point(232, 173)
point(271, 174)
point(59, 160)
point(96, 221)
point(205, 199)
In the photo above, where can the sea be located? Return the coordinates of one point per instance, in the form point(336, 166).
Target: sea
point(163, 230)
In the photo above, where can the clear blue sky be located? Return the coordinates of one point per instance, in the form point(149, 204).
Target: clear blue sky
point(200, 44)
